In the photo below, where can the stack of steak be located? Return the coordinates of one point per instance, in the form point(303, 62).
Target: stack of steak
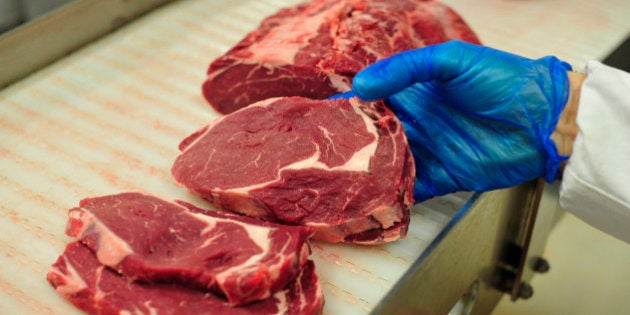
point(285, 164)
point(139, 254)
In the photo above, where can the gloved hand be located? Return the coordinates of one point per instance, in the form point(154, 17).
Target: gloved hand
point(476, 118)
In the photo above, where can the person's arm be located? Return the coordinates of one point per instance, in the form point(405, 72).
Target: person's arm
point(567, 128)
point(595, 182)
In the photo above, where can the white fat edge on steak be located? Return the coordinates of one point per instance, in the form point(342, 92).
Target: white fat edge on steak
point(386, 217)
point(111, 250)
point(269, 56)
point(340, 82)
point(302, 27)
point(352, 226)
point(359, 162)
point(281, 297)
point(299, 288)
point(98, 293)
point(386, 236)
point(136, 311)
point(72, 282)
point(304, 300)
point(402, 27)
point(258, 234)
point(347, 44)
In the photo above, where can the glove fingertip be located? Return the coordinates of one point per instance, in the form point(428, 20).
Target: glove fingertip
point(363, 86)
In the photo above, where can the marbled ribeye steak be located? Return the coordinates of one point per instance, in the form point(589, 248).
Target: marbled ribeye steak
point(96, 289)
point(315, 49)
point(151, 240)
point(342, 167)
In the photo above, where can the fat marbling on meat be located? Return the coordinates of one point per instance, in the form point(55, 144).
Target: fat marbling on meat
point(153, 240)
point(314, 49)
point(342, 167)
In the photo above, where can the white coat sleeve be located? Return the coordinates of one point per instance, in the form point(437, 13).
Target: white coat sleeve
point(596, 181)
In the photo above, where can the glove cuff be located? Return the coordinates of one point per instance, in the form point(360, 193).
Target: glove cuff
point(558, 97)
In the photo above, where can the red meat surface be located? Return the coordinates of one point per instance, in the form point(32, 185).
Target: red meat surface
point(80, 278)
point(342, 167)
point(315, 49)
point(148, 239)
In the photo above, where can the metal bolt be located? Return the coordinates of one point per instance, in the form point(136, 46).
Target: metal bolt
point(525, 291)
point(541, 265)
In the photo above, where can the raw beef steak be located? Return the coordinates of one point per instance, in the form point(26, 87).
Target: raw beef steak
point(314, 49)
point(96, 289)
point(341, 166)
point(152, 240)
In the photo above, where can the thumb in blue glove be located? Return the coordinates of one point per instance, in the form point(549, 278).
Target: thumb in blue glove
point(476, 118)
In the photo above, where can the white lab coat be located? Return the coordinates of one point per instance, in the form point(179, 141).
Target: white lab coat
point(596, 181)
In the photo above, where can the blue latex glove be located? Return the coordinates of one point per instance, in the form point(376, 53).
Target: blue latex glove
point(476, 118)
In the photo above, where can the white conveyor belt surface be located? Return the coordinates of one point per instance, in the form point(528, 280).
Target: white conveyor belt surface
point(108, 119)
